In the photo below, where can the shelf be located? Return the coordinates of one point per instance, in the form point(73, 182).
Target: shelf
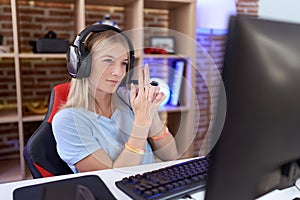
point(114, 3)
point(166, 4)
point(95, 2)
point(8, 117)
point(33, 118)
point(42, 55)
point(53, 1)
point(7, 55)
point(34, 55)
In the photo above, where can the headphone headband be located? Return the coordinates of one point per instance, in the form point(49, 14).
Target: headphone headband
point(78, 56)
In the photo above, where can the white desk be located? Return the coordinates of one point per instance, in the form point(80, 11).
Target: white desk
point(110, 176)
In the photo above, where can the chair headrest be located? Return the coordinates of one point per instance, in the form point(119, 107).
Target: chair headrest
point(58, 97)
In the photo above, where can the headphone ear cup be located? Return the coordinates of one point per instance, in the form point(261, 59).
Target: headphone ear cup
point(85, 67)
point(72, 61)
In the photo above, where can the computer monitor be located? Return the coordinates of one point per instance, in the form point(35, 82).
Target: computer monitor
point(259, 147)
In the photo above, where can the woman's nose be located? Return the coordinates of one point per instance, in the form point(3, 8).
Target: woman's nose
point(117, 69)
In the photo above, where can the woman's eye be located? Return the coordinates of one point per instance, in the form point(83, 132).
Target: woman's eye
point(125, 64)
point(108, 60)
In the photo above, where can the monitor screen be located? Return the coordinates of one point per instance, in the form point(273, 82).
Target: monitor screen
point(259, 147)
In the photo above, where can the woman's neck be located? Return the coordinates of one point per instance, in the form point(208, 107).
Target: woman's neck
point(103, 104)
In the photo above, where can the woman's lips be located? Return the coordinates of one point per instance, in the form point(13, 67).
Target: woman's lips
point(113, 81)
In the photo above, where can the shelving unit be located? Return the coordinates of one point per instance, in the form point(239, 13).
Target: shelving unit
point(181, 19)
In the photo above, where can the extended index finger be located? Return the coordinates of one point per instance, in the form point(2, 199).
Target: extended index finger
point(146, 79)
point(147, 75)
point(141, 80)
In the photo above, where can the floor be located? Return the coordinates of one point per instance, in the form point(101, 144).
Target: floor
point(10, 171)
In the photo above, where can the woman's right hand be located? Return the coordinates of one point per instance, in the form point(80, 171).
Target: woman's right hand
point(144, 98)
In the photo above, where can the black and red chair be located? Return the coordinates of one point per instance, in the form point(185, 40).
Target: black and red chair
point(40, 152)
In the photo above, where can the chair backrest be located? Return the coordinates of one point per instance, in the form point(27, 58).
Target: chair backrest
point(40, 152)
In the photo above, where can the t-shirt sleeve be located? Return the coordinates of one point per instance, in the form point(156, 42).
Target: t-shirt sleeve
point(74, 136)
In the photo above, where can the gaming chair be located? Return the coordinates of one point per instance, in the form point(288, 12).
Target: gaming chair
point(40, 152)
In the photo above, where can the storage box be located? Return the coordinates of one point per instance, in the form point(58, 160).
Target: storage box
point(49, 45)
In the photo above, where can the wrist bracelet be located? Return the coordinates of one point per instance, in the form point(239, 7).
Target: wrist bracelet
point(134, 150)
point(161, 136)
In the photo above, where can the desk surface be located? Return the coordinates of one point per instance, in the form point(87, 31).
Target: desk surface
point(110, 176)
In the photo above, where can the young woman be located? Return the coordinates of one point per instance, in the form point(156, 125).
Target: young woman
point(96, 129)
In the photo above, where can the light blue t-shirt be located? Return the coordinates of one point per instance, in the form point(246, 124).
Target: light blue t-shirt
point(79, 133)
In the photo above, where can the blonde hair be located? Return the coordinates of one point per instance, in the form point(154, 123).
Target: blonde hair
point(80, 94)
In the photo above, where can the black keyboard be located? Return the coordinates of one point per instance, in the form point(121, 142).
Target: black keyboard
point(170, 182)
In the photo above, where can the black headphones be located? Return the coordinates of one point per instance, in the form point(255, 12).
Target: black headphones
point(78, 56)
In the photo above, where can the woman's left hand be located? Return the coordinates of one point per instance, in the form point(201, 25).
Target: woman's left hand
point(154, 95)
point(146, 98)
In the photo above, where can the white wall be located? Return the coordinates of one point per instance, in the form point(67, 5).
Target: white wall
point(283, 10)
point(214, 14)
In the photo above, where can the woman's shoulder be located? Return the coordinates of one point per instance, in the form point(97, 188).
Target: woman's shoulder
point(67, 114)
point(63, 115)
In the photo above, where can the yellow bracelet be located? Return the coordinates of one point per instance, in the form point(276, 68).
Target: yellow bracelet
point(134, 150)
point(161, 136)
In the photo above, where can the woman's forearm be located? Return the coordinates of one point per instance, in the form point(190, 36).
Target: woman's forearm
point(162, 141)
point(134, 148)
point(164, 146)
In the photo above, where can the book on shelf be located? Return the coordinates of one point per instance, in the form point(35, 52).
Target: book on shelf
point(176, 75)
